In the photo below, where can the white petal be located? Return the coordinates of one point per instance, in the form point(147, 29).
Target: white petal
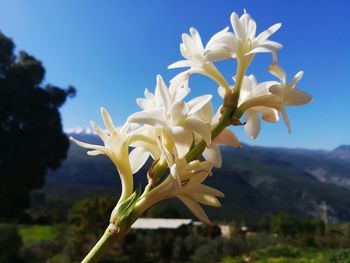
point(138, 158)
point(227, 137)
point(213, 155)
point(236, 24)
point(197, 38)
point(286, 120)
point(198, 103)
point(183, 140)
point(195, 208)
point(88, 145)
point(217, 37)
point(107, 120)
point(296, 97)
point(268, 32)
point(99, 131)
point(178, 112)
point(178, 88)
point(265, 47)
point(206, 113)
point(278, 72)
point(204, 189)
point(194, 52)
point(219, 53)
point(154, 117)
point(162, 93)
point(199, 126)
point(148, 94)
point(94, 153)
point(252, 126)
point(270, 115)
point(206, 199)
point(222, 92)
point(180, 64)
point(296, 79)
point(145, 103)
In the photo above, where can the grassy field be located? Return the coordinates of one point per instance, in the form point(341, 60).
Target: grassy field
point(37, 233)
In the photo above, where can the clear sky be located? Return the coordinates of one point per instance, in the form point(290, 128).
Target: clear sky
point(112, 50)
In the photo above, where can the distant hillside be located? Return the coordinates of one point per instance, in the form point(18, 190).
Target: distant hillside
point(257, 181)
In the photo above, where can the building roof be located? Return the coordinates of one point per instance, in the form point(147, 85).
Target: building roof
point(160, 223)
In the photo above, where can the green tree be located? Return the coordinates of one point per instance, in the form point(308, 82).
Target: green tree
point(89, 218)
point(31, 136)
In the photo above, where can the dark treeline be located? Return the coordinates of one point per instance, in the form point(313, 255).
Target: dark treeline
point(31, 135)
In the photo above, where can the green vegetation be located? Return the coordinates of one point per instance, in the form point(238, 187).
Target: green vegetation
point(35, 233)
point(280, 239)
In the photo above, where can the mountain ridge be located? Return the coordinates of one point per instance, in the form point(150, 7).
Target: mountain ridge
point(257, 181)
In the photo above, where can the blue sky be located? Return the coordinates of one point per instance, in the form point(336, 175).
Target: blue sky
point(112, 50)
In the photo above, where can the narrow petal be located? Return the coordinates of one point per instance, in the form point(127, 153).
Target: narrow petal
point(198, 103)
point(194, 52)
point(197, 38)
point(296, 97)
point(270, 115)
point(252, 126)
point(138, 157)
point(154, 117)
point(227, 137)
point(236, 24)
point(99, 131)
point(88, 145)
point(217, 36)
point(286, 120)
point(200, 127)
point(107, 120)
point(183, 139)
point(206, 113)
point(278, 72)
point(206, 199)
point(296, 79)
point(162, 93)
point(204, 189)
point(213, 155)
point(222, 92)
point(270, 46)
point(268, 32)
point(178, 112)
point(94, 153)
point(180, 64)
point(195, 208)
point(219, 53)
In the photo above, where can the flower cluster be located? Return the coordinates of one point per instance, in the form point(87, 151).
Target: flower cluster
point(183, 136)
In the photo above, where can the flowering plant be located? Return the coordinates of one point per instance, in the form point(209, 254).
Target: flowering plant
point(183, 137)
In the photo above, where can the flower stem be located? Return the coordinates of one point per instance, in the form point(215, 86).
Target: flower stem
point(98, 250)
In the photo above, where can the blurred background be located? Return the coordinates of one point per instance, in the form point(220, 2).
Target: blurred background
point(287, 195)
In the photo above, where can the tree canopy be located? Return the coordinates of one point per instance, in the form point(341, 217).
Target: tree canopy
point(31, 136)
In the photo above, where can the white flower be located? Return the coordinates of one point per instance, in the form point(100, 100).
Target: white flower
point(287, 92)
point(251, 89)
point(244, 42)
point(185, 183)
point(116, 145)
point(199, 59)
point(274, 95)
point(172, 118)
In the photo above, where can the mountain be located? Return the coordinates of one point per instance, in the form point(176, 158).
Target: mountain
point(257, 181)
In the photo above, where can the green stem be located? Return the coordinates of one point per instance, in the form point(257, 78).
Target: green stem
point(98, 250)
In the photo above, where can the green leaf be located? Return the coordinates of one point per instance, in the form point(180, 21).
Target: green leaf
point(124, 210)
